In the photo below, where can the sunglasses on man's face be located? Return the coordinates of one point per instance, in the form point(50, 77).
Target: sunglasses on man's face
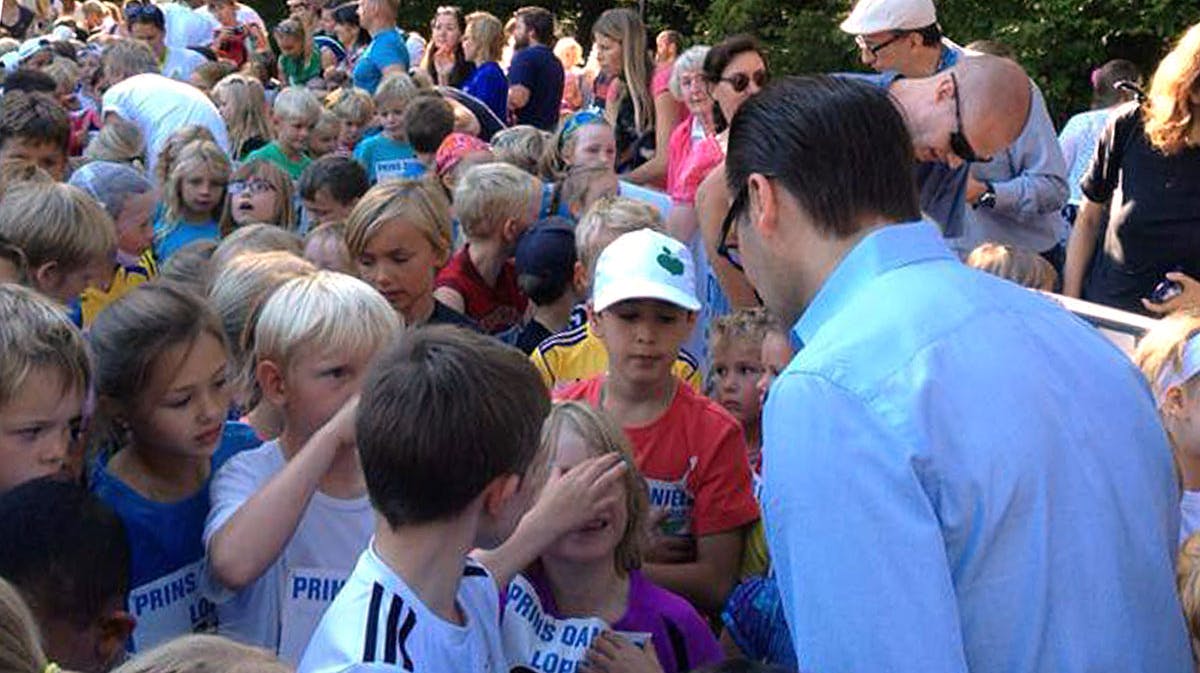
point(958, 140)
point(739, 82)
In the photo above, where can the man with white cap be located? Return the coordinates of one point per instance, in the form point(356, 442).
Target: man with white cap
point(901, 36)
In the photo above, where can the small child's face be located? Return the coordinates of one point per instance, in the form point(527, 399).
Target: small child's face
point(351, 133)
point(400, 263)
point(324, 140)
point(737, 368)
point(322, 208)
point(39, 429)
point(64, 287)
point(328, 253)
point(595, 145)
point(601, 184)
point(391, 118)
point(254, 199)
point(135, 231)
point(292, 134)
point(289, 45)
point(643, 338)
point(597, 539)
point(776, 354)
point(48, 156)
point(202, 193)
point(318, 383)
point(183, 410)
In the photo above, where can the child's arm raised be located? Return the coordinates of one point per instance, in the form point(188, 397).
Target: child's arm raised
point(707, 581)
point(242, 550)
point(569, 500)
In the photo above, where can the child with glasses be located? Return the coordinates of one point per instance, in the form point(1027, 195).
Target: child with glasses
point(259, 192)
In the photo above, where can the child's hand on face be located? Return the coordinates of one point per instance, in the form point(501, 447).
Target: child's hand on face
point(338, 432)
point(572, 498)
point(611, 653)
point(662, 548)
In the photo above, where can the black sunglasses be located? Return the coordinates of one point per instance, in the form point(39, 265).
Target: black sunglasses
point(958, 142)
point(876, 48)
point(741, 81)
point(729, 251)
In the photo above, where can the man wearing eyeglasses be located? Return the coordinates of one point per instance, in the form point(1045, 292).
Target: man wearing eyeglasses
point(948, 488)
point(1014, 197)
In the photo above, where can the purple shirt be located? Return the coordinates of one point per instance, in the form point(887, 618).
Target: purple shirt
point(537, 637)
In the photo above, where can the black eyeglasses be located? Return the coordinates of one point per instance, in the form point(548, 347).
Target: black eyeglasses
point(958, 142)
point(729, 251)
point(874, 49)
point(741, 81)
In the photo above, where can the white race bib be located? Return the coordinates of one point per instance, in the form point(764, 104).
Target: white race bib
point(537, 641)
point(676, 499)
point(306, 593)
point(169, 607)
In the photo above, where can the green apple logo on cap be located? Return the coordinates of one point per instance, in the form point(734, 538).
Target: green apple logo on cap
point(670, 262)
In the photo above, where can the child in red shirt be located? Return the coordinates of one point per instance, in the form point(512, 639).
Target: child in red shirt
point(691, 451)
point(495, 204)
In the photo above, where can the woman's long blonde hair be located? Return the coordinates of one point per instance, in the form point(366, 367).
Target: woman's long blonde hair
point(625, 26)
point(1169, 114)
point(20, 644)
point(248, 119)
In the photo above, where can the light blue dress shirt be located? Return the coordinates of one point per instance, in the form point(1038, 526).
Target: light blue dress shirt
point(962, 476)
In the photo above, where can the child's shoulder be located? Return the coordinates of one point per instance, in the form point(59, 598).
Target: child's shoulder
point(648, 599)
point(587, 390)
point(256, 463)
point(702, 413)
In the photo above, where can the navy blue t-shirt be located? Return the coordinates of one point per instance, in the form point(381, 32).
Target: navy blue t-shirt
point(536, 68)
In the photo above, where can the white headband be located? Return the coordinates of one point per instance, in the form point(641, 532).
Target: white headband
point(1175, 377)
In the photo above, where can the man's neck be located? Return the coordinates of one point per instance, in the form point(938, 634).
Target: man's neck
point(924, 62)
point(822, 255)
point(430, 559)
point(488, 259)
point(592, 589)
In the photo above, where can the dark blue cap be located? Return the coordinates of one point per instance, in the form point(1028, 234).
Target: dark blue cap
point(547, 250)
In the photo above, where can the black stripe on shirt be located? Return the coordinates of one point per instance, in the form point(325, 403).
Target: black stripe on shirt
point(410, 620)
point(372, 624)
point(393, 620)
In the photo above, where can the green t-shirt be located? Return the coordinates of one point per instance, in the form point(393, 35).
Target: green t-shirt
point(298, 72)
point(271, 152)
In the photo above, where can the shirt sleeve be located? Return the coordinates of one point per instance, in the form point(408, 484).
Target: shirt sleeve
point(1039, 182)
point(523, 71)
point(1100, 180)
point(231, 487)
point(661, 82)
point(390, 52)
point(722, 484)
point(539, 363)
point(835, 472)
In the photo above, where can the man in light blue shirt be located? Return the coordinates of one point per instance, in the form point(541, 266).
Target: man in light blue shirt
point(960, 476)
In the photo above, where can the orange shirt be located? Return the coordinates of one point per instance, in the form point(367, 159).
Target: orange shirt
point(693, 458)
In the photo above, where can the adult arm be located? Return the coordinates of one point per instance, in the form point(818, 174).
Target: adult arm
point(712, 203)
point(849, 522)
point(707, 581)
point(666, 118)
point(522, 77)
point(1081, 246)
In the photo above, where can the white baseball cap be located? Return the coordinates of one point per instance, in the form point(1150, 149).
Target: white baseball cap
point(645, 264)
point(877, 16)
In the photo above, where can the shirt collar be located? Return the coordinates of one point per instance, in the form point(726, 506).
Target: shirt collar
point(883, 250)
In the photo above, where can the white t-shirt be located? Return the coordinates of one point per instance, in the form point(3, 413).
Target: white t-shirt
point(378, 624)
point(187, 27)
point(181, 63)
point(158, 106)
point(281, 609)
point(1189, 508)
point(245, 16)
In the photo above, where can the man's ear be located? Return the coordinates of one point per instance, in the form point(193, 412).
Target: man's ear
point(271, 382)
point(580, 280)
point(763, 205)
point(593, 319)
point(1173, 402)
point(112, 632)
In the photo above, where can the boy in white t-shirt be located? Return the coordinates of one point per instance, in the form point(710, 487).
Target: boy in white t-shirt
point(289, 519)
point(447, 433)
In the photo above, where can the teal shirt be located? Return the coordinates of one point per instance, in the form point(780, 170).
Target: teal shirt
point(387, 159)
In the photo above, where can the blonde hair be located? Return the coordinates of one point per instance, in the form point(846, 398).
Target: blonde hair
point(297, 103)
point(127, 58)
point(521, 146)
point(606, 220)
point(64, 72)
point(602, 436)
point(396, 88)
point(1161, 350)
point(20, 644)
point(489, 194)
point(415, 203)
point(248, 119)
point(284, 189)
point(625, 26)
point(352, 104)
point(197, 653)
point(1187, 580)
point(253, 238)
point(197, 156)
point(119, 141)
point(1168, 116)
point(569, 51)
point(55, 222)
point(168, 154)
point(334, 311)
point(328, 118)
point(574, 187)
point(331, 233)
point(1023, 267)
point(488, 34)
point(553, 164)
point(94, 8)
point(36, 333)
point(743, 325)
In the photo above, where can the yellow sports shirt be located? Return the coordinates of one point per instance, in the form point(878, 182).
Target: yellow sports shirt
point(577, 354)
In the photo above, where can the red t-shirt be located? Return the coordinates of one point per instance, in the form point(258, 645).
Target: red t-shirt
point(494, 308)
point(693, 458)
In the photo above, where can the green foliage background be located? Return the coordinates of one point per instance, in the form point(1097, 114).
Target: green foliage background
point(1058, 41)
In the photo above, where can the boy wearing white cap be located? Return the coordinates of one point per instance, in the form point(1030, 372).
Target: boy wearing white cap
point(901, 36)
point(690, 450)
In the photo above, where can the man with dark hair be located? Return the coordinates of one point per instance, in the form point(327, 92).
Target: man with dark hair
point(536, 75)
point(29, 79)
point(667, 47)
point(901, 36)
point(329, 187)
point(67, 554)
point(944, 491)
point(35, 128)
point(148, 24)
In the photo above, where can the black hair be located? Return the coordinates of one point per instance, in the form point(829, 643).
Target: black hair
point(64, 550)
point(443, 412)
point(539, 20)
point(145, 13)
point(347, 15)
point(463, 69)
point(342, 176)
point(865, 153)
point(428, 119)
point(930, 35)
point(28, 80)
point(719, 57)
point(1104, 83)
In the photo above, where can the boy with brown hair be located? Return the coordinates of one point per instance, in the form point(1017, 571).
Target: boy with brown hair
point(35, 128)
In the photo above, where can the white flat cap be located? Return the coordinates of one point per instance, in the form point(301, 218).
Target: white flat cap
point(876, 16)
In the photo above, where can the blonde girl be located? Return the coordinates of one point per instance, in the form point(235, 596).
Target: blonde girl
point(620, 39)
point(120, 142)
point(243, 105)
point(300, 60)
point(259, 192)
point(204, 654)
point(193, 198)
point(163, 393)
point(1169, 357)
point(584, 138)
point(589, 581)
point(399, 235)
point(168, 154)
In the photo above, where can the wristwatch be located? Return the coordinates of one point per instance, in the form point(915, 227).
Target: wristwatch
point(988, 198)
